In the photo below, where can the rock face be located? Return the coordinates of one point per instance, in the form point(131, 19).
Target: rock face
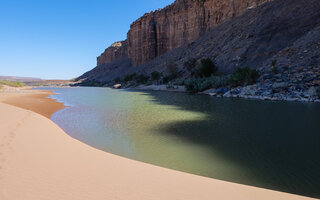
point(180, 23)
point(116, 51)
point(285, 31)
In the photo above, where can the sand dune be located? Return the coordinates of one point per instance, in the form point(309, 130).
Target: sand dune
point(41, 162)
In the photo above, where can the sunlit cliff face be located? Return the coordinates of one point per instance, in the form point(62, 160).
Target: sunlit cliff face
point(180, 23)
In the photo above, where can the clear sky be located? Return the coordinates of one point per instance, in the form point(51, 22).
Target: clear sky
point(60, 39)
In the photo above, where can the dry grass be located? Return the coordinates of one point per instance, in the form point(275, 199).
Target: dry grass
point(11, 83)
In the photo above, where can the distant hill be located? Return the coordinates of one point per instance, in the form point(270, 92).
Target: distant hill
point(20, 79)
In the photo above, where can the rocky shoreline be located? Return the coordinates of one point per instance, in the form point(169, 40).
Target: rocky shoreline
point(256, 91)
point(300, 84)
point(279, 84)
point(260, 92)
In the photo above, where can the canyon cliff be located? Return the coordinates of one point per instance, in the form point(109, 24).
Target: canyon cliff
point(279, 39)
point(180, 23)
point(115, 52)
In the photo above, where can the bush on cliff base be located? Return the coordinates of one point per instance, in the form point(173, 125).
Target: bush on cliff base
point(244, 76)
point(142, 79)
point(155, 76)
point(197, 84)
point(201, 84)
point(129, 77)
point(207, 68)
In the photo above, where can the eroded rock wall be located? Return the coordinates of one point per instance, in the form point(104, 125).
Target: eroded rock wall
point(116, 51)
point(180, 23)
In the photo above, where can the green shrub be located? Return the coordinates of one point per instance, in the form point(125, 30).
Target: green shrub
point(167, 79)
point(244, 76)
point(179, 82)
point(129, 77)
point(201, 84)
point(191, 85)
point(92, 83)
point(11, 83)
point(142, 79)
point(197, 84)
point(149, 82)
point(219, 81)
point(207, 68)
point(155, 76)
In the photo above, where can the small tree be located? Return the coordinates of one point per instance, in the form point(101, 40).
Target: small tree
point(207, 68)
point(244, 76)
point(129, 77)
point(142, 79)
point(166, 79)
point(155, 76)
point(197, 84)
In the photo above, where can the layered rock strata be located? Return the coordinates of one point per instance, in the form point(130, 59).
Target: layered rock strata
point(116, 51)
point(180, 23)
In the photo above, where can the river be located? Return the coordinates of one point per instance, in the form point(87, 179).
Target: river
point(274, 145)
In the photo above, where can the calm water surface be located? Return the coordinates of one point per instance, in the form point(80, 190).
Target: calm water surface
point(274, 145)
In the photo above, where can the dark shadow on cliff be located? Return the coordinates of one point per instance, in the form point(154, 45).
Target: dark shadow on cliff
point(281, 151)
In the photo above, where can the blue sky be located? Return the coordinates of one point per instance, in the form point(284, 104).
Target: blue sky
point(60, 39)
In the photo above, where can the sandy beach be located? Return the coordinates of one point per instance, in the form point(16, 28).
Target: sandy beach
point(39, 161)
point(35, 100)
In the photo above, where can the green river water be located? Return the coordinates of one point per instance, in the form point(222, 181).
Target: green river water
point(274, 145)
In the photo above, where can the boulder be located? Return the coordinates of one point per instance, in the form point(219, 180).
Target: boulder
point(221, 90)
point(279, 85)
point(312, 92)
point(117, 86)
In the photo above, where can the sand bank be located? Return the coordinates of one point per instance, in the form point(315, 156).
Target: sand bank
point(38, 161)
point(28, 99)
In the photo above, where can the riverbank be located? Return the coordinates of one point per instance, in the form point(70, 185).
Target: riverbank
point(35, 166)
point(34, 100)
point(256, 91)
point(39, 160)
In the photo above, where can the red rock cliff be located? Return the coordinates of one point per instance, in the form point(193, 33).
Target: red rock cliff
point(116, 51)
point(180, 23)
